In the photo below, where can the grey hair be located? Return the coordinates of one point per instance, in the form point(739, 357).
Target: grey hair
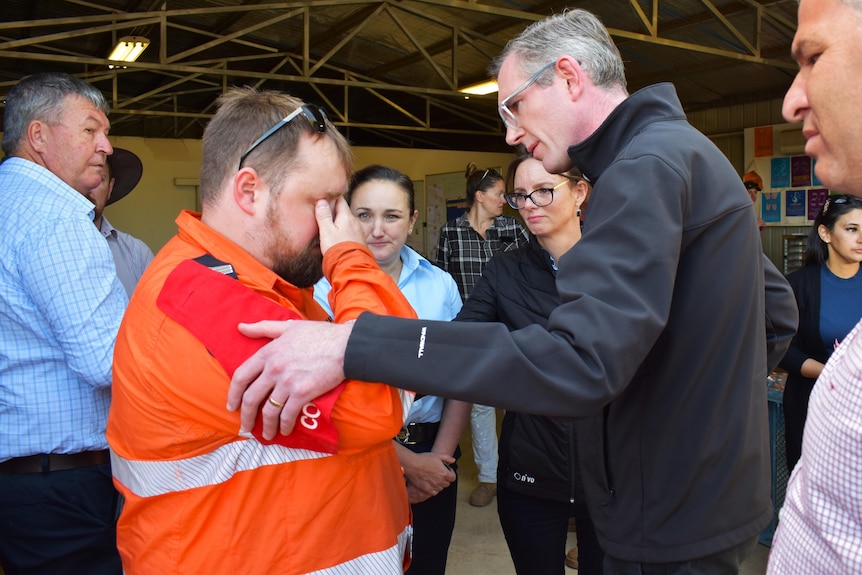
point(576, 33)
point(42, 97)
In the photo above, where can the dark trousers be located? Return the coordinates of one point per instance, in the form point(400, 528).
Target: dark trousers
point(536, 531)
point(60, 522)
point(433, 522)
point(723, 563)
point(795, 406)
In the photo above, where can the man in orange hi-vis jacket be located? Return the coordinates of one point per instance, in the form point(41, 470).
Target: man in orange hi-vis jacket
point(202, 494)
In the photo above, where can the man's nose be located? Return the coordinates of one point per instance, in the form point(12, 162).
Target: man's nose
point(104, 145)
point(513, 135)
point(795, 101)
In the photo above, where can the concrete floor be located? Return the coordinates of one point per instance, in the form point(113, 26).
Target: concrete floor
point(478, 546)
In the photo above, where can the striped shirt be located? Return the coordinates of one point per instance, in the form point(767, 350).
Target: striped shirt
point(60, 309)
point(462, 252)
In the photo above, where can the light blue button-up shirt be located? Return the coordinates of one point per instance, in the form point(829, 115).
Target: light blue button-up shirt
point(434, 295)
point(60, 308)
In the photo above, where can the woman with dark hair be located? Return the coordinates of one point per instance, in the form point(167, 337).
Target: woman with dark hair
point(828, 290)
point(466, 245)
point(539, 480)
point(383, 200)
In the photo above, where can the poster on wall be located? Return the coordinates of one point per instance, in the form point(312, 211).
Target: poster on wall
point(794, 207)
point(763, 142)
point(800, 171)
point(770, 207)
point(814, 180)
point(816, 199)
point(779, 173)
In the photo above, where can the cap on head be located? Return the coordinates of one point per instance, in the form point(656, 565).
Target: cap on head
point(753, 178)
point(126, 169)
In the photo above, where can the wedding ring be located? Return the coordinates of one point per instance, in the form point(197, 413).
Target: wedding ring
point(275, 403)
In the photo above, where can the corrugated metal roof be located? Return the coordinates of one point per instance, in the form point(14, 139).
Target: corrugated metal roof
point(388, 71)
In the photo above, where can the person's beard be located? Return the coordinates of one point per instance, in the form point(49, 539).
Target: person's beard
point(303, 269)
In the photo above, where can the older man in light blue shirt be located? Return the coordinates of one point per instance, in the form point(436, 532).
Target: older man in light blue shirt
point(60, 308)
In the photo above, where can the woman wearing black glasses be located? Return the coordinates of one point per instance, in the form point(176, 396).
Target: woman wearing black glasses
point(539, 482)
point(828, 290)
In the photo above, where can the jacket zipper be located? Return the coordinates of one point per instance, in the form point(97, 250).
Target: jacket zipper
point(606, 459)
point(573, 462)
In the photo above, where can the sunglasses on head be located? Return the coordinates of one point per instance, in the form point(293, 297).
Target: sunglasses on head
point(314, 114)
point(839, 200)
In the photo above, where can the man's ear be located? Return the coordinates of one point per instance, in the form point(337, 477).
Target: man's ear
point(572, 72)
point(247, 190)
point(38, 136)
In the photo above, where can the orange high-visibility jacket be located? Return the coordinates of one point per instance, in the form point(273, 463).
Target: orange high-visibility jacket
point(201, 498)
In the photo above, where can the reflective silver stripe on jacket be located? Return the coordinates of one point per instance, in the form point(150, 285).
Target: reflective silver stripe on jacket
point(151, 478)
point(386, 562)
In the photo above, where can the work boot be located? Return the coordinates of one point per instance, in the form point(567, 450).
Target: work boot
point(483, 495)
point(572, 558)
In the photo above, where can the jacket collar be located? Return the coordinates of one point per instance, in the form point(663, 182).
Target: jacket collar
point(648, 105)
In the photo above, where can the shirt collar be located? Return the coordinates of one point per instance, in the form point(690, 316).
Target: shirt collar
point(194, 231)
point(56, 186)
point(106, 228)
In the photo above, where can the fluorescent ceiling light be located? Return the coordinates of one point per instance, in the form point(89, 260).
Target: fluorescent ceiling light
point(128, 48)
point(480, 89)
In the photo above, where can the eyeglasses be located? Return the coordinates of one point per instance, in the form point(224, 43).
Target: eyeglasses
point(540, 197)
point(840, 200)
point(506, 114)
point(752, 186)
point(315, 116)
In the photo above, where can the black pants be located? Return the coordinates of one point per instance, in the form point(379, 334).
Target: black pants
point(60, 522)
point(433, 522)
point(795, 406)
point(536, 531)
point(723, 563)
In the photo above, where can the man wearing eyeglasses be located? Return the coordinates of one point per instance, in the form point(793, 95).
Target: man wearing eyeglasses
point(203, 494)
point(663, 339)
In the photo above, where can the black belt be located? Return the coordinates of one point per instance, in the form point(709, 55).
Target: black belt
point(54, 462)
point(414, 433)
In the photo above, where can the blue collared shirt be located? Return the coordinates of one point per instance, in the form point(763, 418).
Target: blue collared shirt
point(60, 308)
point(434, 295)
